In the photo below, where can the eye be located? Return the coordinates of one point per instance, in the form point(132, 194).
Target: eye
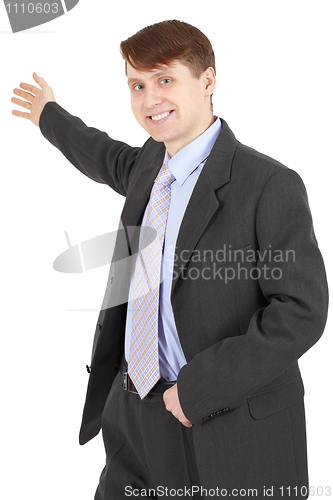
point(138, 87)
point(165, 81)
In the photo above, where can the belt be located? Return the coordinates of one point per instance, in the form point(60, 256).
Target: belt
point(127, 384)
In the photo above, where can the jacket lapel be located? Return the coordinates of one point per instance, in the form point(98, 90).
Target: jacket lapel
point(203, 202)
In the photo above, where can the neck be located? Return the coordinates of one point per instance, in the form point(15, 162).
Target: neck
point(174, 148)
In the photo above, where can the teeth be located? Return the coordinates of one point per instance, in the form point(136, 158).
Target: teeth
point(159, 117)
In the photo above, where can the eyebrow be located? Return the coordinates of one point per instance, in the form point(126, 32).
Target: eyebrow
point(158, 74)
point(131, 80)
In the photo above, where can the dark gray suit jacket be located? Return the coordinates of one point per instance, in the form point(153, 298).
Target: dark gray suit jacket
point(243, 322)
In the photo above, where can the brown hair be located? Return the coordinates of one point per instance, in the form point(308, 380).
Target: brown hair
point(167, 41)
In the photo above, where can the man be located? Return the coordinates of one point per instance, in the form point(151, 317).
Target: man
point(194, 379)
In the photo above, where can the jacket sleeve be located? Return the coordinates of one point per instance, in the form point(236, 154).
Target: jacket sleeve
point(91, 151)
point(227, 373)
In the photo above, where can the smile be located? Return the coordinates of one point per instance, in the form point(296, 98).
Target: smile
point(157, 118)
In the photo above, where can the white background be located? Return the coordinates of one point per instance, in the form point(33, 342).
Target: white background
point(274, 61)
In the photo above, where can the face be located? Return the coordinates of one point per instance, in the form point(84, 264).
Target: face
point(170, 104)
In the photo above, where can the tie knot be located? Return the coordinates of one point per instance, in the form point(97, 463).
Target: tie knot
point(165, 175)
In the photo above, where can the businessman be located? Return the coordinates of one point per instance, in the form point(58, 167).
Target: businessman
point(194, 378)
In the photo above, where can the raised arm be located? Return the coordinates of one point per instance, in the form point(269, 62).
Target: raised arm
point(91, 151)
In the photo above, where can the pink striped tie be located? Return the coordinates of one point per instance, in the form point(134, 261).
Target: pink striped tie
point(143, 363)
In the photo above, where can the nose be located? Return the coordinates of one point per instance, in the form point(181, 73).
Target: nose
point(153, 96)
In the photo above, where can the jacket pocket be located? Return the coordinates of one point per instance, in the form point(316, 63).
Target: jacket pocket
point(266, 403)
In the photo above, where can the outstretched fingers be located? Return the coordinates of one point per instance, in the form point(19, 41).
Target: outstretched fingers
point(21, 114)
point(32, 98)
point(26, 95)
point(19, 102)
point(30, 88)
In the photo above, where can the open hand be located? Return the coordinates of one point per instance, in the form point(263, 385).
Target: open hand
point(35, 99)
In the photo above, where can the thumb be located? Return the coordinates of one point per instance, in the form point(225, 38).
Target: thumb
point(41, 82)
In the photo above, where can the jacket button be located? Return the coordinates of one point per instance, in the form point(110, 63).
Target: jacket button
point(88, 368)
point(111, 280)
point(99, 326)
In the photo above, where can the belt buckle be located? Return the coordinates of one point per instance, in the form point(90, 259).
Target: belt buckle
point(125, 381)
point(127, 384)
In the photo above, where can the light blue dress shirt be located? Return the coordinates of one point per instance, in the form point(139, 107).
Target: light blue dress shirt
point(186, 166)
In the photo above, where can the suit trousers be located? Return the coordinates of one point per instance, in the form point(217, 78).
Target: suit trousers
point(149, 453)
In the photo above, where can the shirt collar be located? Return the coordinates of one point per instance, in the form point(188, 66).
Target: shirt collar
point(193, 154)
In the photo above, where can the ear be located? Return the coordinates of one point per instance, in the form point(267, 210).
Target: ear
point(209, 79)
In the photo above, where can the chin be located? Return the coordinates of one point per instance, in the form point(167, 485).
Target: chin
point(158, 137)
point(161, 135)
